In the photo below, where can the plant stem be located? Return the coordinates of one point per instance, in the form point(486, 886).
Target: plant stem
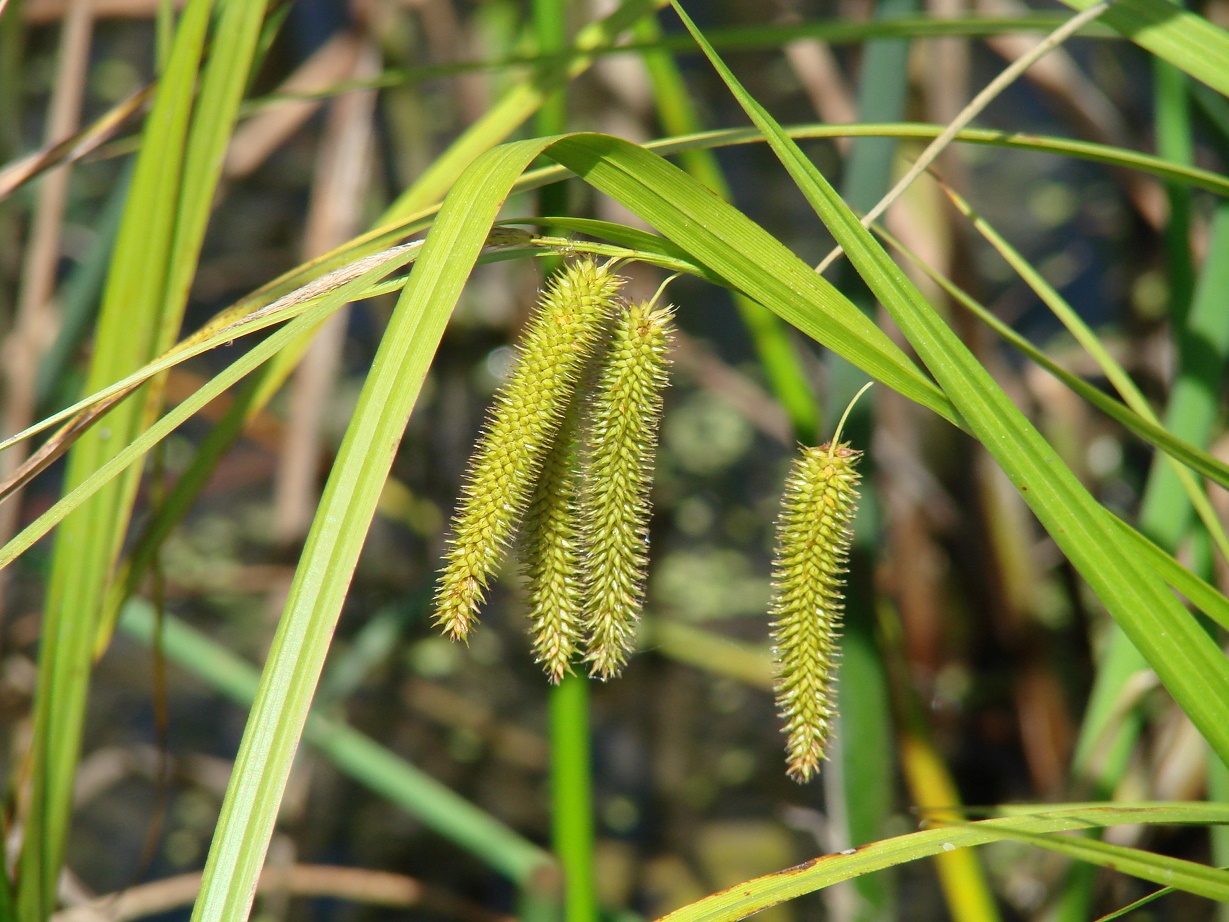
point(571, 795)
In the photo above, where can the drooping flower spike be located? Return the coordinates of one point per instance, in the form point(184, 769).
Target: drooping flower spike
point(613, 508)
point(551, 554)
point(567, 327)
point(813, 538)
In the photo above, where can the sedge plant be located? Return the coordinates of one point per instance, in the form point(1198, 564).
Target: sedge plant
point(564, 469)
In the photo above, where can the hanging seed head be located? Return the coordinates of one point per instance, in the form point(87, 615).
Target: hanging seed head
point(566, 328)
point(620, 442)
point(813, 539)
point(550, 553)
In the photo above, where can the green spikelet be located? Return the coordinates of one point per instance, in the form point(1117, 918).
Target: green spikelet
point(812, 548)
point(567, 327)
point(613, 509)
point(551, 554)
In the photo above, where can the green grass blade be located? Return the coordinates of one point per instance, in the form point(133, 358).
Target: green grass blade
point(1123, 911)
point(1202, 594)
point(770, 890)
point(155, 244)
point(550, 26)
point(397, 223)
point(222, 85)
point(1083, 150)
point(1190, 876)
point(1191, 666)
point(1185, 40)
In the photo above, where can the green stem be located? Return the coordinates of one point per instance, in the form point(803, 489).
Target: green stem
point(571, 796)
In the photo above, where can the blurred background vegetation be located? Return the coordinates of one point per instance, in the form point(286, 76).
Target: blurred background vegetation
point(983, 641)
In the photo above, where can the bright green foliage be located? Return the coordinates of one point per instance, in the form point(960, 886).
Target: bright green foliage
point(551, 554)
point(569, 322)
point(812, 547)
point(621, 435)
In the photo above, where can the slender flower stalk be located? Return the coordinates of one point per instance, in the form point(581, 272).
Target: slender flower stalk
point(567, 327)
point(620, 442)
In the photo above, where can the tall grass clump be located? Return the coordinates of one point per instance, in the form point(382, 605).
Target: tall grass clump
point(219, 546)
